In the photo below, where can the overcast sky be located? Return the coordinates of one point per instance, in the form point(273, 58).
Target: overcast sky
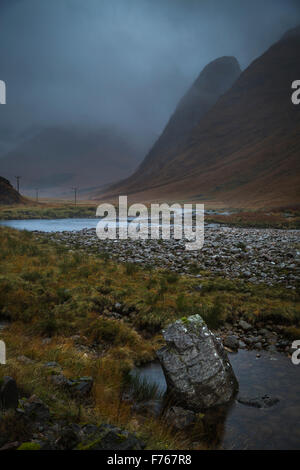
point(122, 63)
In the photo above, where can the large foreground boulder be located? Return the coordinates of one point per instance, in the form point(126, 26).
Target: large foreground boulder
point(197, 370)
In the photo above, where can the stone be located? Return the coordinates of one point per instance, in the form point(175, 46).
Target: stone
point(10, 446)
point(81, 386)
point(25, 360)
point(67, 440)
point(149, 408)
point(245, 325)
point(180, 418)
point(36, 410)
point(52, 364)
point(258, 402)
point(59, 380)
point(242, 345)
point(232, 342)
point(9, 395)
point(46, 341)
point(108, 437)
point(196, 367)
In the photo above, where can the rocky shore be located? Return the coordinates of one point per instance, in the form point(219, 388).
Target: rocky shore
point(268, 256)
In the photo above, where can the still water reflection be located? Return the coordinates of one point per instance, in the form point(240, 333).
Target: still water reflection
point(243, 427)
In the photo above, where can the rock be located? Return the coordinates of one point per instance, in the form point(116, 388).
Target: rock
point(46, 341)
point(52, 364)
point(81, 386)
point(67, 440)
point(196, 367)
point(150, 408)
point(35, 409)
point(108, 437)
point(242, 345)
point(232, 342)
point(258, 402)
point(9, 395)
point(245, 326)
point(180, 418)
point(25, 360)
point(10, 446)
point(59, 380)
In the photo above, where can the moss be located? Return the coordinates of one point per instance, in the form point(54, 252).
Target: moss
point(89, 445)
point(29, 446)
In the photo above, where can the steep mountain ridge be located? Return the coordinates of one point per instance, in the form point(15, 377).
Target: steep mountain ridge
point(245, 150)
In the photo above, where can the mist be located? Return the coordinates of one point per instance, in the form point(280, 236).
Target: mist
point(120, 63)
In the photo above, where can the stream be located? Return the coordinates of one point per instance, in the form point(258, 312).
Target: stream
point(244, 427)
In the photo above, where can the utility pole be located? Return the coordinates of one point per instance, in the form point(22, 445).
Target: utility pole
point(18, 183)
point(75, 195)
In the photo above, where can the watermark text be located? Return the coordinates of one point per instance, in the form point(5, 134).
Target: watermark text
point(139, 222)
point(2, 92)
point(296, 93)
point(2, 353)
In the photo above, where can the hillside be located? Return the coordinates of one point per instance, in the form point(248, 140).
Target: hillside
point(8, 195)
point(245, 150)
point(216, 78)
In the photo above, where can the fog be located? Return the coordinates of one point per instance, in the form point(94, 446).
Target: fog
point(120, 63)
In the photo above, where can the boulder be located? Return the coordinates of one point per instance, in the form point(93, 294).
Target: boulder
point(196, 367)
point(9, 395)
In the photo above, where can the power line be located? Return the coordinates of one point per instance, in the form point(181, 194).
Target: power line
point(18, 182)
point(75, 195)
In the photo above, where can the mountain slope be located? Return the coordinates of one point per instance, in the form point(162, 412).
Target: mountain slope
point(245, 151)
point(8, 195)
point(216, 78)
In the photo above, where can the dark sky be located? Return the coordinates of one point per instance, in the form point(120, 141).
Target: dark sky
point(122, 63)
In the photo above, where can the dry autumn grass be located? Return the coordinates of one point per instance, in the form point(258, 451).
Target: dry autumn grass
point(49, 291)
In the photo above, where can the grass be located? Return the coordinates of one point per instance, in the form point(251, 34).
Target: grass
point(46, 290)
point(46, 211)
point(281, 219)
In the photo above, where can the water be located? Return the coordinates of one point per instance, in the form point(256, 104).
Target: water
point(51, 225)
point(60, 225)
point(244, 427)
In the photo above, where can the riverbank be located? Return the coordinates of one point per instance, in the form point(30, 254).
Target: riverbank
point(47, 211)
point(285, 219)
point(255, 256)
point(76, 313)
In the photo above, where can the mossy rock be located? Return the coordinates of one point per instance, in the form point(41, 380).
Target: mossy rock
point(29, 446)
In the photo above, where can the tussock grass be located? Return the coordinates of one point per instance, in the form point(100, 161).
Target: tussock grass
point(48, 291)
point(46, 211)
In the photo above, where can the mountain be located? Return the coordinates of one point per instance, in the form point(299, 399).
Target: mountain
point(216, 78)
point(245, 150)
point(8, 195)
point(55, 159)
